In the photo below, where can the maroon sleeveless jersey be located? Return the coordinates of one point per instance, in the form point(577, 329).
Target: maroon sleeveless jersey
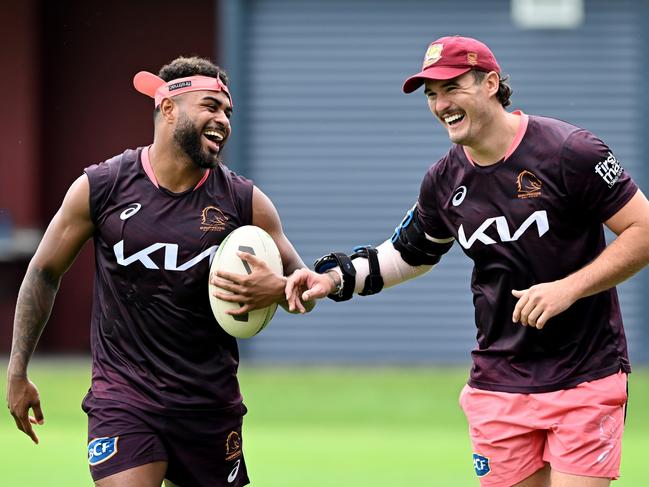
point(534, 217)
point(155, 342)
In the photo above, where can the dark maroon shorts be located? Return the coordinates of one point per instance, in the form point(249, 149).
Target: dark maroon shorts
point(201, 450)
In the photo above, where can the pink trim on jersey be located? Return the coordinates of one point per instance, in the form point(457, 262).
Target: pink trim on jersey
point(146, 164)
point(522, 127)
point(148, 169)
point(203, 179)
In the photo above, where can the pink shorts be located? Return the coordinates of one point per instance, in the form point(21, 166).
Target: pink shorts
point(577, 431)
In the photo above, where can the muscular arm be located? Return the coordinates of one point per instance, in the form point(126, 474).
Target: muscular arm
point(624, 257)
point(309, 285)
point(265, 216)
point(67, 232)
point(262, 287)
point(35, 300)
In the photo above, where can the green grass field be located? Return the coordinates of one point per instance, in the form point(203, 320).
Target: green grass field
point(315, 427)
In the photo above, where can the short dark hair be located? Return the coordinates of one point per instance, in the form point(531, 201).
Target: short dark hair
point(504, 90)
point(183, 67)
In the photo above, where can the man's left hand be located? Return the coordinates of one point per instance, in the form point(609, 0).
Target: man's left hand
point(537, 304)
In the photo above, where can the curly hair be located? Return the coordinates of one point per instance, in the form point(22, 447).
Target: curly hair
point(182, 67)
point(504, 90)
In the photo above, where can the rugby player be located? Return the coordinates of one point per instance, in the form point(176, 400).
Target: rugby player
point(164, 401)
point(526, 197)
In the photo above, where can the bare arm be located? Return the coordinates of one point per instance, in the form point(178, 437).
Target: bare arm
point(624, 257)
point(66, 234)
point(265, 216)
point(262, 287)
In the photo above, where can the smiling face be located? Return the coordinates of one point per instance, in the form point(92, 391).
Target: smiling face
point(203, 126)
point(463, 105)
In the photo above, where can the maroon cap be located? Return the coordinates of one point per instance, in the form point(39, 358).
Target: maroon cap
point(452, 56)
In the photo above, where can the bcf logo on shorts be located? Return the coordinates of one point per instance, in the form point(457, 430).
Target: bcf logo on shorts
point(481, 465)
point(101, 449)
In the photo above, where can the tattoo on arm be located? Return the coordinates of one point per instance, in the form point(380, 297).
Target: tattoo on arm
point(35, 301)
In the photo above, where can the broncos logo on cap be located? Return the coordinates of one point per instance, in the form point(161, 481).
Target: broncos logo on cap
point(433, 54)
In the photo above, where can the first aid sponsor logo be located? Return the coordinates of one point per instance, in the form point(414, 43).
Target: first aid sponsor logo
point(609, 170)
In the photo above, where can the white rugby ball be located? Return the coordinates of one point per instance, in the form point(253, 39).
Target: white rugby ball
point(255, 241)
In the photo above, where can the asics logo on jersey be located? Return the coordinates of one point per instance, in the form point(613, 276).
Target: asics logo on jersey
point(539, 217)
point(132, 209)
point(458, 197)
point(234, 472)
point(170, 256)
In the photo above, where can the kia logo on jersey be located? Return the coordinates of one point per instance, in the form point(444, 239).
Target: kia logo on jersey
point(170, 256)
point(539, 217)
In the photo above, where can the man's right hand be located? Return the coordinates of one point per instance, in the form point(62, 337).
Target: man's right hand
point(22, 395)
point(304, 286)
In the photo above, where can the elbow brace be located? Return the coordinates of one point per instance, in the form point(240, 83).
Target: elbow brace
point(364, 276)
point(409, 253)
point(373, 282)
point(416, 246)
point(341, 263)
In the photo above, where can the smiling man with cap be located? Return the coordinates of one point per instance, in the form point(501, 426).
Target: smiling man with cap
point(450, 57)
point(527, 198)
point(164, 403)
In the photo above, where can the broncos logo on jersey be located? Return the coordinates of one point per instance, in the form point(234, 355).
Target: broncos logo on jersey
point(213, 219)
point(528, 185)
